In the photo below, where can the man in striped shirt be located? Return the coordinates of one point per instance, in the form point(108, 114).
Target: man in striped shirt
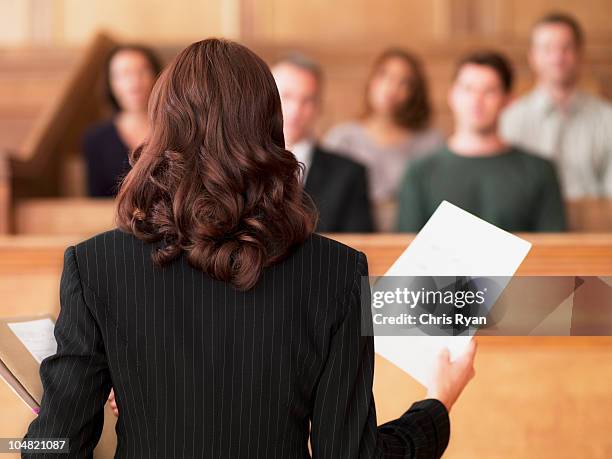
point(559, 121)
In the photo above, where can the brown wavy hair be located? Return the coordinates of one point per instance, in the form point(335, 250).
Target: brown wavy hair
point(214, 180)
point(416, 112)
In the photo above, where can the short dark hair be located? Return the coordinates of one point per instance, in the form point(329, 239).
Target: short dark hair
point(563, 19)
point(303, 62)
point(415, 113)
point(492, 59)
point(147, 52)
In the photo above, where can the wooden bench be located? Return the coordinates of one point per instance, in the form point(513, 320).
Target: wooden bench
point(544, 397)
point(86, 216)
point(64, 216)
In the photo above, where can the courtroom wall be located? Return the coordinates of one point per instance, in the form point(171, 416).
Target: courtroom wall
point(71, 22)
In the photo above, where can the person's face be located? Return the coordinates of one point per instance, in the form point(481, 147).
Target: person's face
point(299, 93)
point(477, 98)
point(554, 54)
point(131, 80)
point(390, 86)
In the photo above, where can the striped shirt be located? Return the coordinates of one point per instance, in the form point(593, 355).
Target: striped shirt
point(578, 139)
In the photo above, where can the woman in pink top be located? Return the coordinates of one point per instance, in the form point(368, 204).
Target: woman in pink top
point(393, 130)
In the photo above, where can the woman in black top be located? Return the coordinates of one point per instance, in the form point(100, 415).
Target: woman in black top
point(130, 74)
point(225, 325)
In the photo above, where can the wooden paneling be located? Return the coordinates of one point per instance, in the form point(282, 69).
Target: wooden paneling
point(68, 107)
point(347, 21)
point(61, 22)
point(594, 15)
point(14, 29)
point(544, 398)
point(29, 81)
point(80, 216)
point(408, 22)
point(39, 157)
point(148, 20)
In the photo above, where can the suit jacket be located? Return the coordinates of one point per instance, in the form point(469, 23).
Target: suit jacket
point(201, 369)
point(339, 188)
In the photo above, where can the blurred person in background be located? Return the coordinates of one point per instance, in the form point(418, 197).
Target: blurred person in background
point(477, 171)
point(130, 74)
point(558, 120)
point(337, 185)
point(394, 129)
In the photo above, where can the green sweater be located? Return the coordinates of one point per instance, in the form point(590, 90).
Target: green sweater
point(514, 190)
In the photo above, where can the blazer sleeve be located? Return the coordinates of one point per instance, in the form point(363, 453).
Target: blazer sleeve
point(344, 414)
point(76, 379)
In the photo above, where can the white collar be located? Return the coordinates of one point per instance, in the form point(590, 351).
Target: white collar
point(303, 151)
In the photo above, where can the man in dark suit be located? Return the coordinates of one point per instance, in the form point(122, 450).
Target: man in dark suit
point(337, 185)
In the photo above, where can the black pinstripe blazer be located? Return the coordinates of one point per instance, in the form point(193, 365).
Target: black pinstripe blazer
point(203, 370)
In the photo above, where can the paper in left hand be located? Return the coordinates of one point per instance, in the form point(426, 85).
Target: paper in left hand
point(24, 343)
point(453, 242)
point(37, 337)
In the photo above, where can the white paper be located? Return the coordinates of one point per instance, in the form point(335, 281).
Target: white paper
point(453, 242)
point(37, 336)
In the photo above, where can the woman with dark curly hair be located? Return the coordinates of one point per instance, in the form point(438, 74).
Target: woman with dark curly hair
point(226, 327)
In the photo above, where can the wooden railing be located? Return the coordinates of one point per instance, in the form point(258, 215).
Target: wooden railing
point(24, 258)
point(85, 216)
point(63, 216)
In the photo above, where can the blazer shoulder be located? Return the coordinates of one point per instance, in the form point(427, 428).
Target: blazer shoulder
point(328, 245)
point(114, 233)
point(334, 257)
point(104, 242)
point(338, 266)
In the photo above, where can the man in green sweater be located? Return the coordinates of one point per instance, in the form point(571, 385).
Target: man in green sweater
point(502, 184)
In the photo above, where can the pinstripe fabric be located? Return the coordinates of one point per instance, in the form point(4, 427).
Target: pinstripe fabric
point(201, 370)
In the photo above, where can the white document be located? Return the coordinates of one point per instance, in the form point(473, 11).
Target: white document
point(37, 336)
point(453, 242)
